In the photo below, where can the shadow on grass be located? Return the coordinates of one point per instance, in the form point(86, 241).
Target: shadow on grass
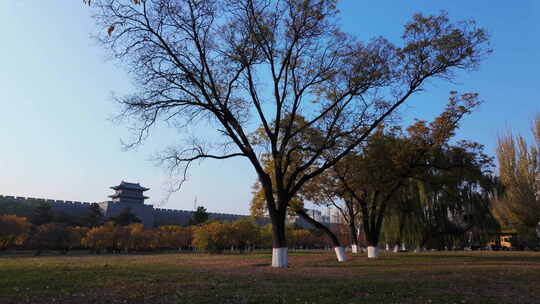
point(261, 265)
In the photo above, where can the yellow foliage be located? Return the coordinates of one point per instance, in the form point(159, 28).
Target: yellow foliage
point(13, 230)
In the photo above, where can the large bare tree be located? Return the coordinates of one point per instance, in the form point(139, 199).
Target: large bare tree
point(241, 64)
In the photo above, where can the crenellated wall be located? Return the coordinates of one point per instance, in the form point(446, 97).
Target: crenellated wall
point(70, 208)
point(181, 217)
point(171, 216)
point(149, 215)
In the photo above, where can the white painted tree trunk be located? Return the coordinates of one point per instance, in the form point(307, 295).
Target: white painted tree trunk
point(387, 247)
point(396, 248)
point(372, 252)
point(403, 247)
point(340, 254)
point(280, 257)
point(354, 248)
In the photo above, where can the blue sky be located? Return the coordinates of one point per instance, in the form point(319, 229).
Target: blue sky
point(55, 94)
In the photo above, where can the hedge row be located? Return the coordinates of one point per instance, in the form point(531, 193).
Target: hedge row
point(215, 237)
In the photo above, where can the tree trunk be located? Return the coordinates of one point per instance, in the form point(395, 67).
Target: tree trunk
point(372, 240)
point(373, 252)
point(354, 236)
point(279, 241)
point(277, 211)
point(340, 252)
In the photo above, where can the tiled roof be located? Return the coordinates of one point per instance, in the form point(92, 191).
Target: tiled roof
point(131, 186)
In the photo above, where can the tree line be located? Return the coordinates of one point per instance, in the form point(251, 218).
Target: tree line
point(210, 236)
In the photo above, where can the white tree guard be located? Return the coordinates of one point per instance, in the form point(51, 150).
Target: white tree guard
point(372, 252)
point(280, 257)
point(340, 254)
point(354, 248)
point(403, 247)
point(396, 248)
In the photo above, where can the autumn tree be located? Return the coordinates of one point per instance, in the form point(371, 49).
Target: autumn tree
point(174, 237)
point(140, 239)
point(76, 235)
point(257, 205)
point(518, 207)
point(14, 230)
point(245, 233)
point(211, 237)
point(237, 65)
point(51, 236)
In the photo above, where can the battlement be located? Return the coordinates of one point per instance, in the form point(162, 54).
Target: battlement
point(68, 203)
point(225, 215)
point(189, 212)
point(172, 211)
point(47, 200)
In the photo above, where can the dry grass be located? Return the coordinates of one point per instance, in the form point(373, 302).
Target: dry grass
point(314, 277)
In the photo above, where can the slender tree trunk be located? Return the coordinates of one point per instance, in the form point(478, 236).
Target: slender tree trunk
point(354, 236)
point(399, 243)
point(426, 237)
point(372, 242)
point(396, 247)
point(372, 237)
point(353, 231)
point(340, 251)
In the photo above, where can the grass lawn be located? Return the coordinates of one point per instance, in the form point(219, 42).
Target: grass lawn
point(314, 277)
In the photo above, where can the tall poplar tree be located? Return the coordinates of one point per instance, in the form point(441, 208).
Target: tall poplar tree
point(518, 207)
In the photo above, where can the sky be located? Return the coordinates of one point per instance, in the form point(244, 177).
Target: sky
point(60, 141)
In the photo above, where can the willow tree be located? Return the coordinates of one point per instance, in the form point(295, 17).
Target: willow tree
point(240, 64)
point(448, 203)
point(369, 180)
point(518, 207)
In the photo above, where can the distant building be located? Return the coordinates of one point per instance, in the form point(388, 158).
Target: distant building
point(129, 195)
point(332, 217)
